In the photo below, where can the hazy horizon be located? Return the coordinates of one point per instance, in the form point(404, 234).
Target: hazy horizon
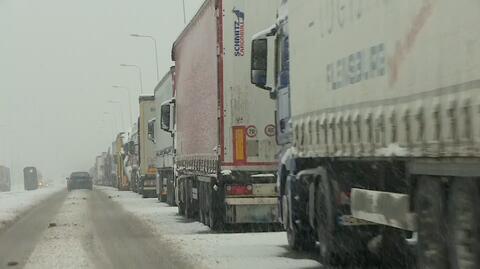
point(59, 62)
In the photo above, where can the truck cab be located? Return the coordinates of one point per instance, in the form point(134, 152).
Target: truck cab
point(270, 71)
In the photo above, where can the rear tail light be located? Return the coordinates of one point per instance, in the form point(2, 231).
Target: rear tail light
point(239, 190)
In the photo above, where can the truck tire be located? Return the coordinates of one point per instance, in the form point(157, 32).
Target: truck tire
point(189, 207)
point(297, 239)
point(216, 220)
point(181, 209)
point(464, 224)
point(325, 220)
point(430, 209)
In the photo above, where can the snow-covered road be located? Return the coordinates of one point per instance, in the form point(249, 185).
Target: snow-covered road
point(106, 228)
point(84, 229)
point(206, 249)
point(14, 204)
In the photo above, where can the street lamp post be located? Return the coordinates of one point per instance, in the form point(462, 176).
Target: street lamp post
point(139, 74)
point(129, 100)
point(184, 15)
point(156, 50)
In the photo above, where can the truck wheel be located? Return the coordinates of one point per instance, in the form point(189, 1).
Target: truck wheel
point(325, 219)
point(181, 209)
point(215, 223)
point(297, 239)
point(188, 200)
point(394, 251)
point(464, 224)
point(430, 209)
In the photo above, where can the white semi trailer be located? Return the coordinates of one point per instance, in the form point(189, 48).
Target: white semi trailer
point(146, 147)
point(378, 116)
point(164, 151)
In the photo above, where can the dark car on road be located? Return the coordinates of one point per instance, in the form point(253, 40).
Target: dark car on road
point(79, 180)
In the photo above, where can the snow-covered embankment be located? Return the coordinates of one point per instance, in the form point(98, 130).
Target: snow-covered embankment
point(14, 204)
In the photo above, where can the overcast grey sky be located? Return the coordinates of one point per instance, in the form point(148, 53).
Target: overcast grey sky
point(58, 61)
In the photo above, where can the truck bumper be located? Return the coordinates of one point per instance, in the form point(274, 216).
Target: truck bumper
point(251, 210)
point(385, 208)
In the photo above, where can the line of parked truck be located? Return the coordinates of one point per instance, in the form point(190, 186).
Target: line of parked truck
point(364, 137)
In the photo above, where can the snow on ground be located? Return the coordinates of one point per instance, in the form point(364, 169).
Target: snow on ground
point(68, 239)
point(196, 242)
point(14, 204)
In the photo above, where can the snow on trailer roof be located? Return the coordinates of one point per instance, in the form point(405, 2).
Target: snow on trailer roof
point(189, 26)
point(165, 77)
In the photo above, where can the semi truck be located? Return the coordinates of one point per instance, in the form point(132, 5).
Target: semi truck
point(223, 129)
point(131, 164)
point(378, 122)
point(30, 178)
point(99, 169)
point(146, 147)
point(5, 181)
point(119, 157)
point(164, 153)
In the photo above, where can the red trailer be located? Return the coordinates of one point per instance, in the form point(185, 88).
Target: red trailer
point(223, 127)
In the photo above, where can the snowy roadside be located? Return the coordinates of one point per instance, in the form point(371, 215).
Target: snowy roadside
point(197, 243)
point(14, 204)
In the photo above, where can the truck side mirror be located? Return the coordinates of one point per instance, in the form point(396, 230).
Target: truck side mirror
point(259, 63)
point(165, 118)
point(151, 130)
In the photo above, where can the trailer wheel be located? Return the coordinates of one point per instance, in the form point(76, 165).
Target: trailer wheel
point(181, 208)
point(325, 220)
point(181, 198)
point(464, 224)
point(188, 193)
point(430, 209)
point(216, 207)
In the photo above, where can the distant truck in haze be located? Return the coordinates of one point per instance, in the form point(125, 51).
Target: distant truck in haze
point(132, 159)
point(99, 169)
point(30, 178)
point(119, 156)
point(5, 181)
point(146, 147)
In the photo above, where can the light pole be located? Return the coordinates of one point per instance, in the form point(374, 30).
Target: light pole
point(156, 50)
point(129, 101)
point(184, 16)
point(139, 74)
point(122, 125)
